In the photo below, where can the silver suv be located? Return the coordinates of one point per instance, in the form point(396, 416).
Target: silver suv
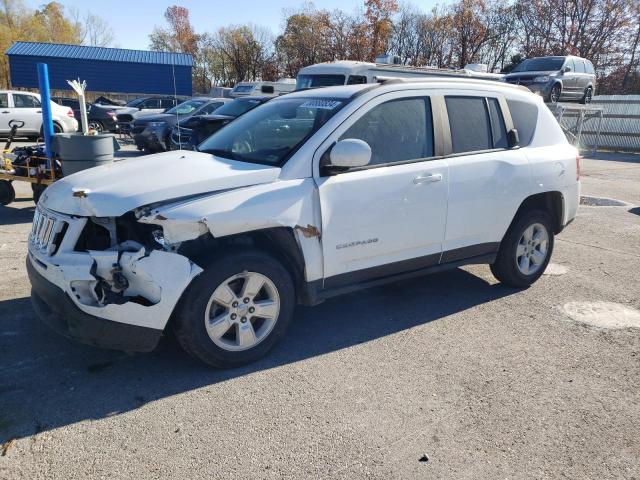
point(556, 78)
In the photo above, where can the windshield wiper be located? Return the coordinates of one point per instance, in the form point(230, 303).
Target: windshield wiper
point(220, 153)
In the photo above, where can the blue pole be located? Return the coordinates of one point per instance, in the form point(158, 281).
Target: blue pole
point(47, 118)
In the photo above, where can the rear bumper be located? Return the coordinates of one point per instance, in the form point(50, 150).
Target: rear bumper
point(58, 312)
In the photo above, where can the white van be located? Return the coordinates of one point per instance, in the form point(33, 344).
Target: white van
point(348, 72)
point(263, 89)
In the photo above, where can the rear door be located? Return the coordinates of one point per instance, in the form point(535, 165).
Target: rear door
point(569, 79)
point(582, 78)
point(27, 109)
point(487, 180)
point(388, 217)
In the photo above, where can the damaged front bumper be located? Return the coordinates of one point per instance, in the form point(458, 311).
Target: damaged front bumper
point(119, 298)
point(57, 311)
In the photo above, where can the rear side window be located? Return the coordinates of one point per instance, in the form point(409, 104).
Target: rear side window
point(469, 124)
point(589, 67)
point(396, 131)
point(356, 80)
point(525, 118)
point(579, 65)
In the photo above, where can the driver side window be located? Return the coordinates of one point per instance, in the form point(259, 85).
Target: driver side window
point(397, 131)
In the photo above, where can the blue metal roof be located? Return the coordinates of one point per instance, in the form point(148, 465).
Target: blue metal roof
point(80, 52)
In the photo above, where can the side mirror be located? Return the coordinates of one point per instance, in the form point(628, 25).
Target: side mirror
point(513, 139)
point(566, 69)
point(268, 89)
point(350, 153)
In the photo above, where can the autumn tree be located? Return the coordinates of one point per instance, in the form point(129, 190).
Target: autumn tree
point(378, 14)
point(178, 36)
point(48, 23)
point(305, 40)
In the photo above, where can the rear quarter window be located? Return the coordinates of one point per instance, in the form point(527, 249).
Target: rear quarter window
point(525, 118)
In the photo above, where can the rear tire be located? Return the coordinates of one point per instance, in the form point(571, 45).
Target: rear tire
point(96, 125)
point(218, 318)
point(525, 250)
point(7, 192)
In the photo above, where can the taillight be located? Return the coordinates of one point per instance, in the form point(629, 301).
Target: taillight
point(578, 158)
point(70, 113)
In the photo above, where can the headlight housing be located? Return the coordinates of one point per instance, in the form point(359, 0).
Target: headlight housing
point(542, 79)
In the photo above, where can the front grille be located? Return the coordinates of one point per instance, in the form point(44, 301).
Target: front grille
point(47, 231)
point(125, 117)
point(184, 134)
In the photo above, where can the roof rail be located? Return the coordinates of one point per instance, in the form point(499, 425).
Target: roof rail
point(445, 77)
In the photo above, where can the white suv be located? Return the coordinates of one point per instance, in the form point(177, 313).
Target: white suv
point(26, 107)
point(308, 196)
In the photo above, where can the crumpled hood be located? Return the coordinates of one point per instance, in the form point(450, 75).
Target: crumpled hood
point(114, 189)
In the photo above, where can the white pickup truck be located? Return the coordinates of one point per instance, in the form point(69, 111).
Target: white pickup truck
point(308, 196)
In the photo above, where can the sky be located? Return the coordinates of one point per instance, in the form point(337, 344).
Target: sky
point(133, 20)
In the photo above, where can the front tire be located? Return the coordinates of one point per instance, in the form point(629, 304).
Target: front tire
point(236, 310)
point(555, 93)
point(587, 97)
point(525, 250)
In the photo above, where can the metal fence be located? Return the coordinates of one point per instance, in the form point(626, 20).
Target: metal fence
point(620, 129)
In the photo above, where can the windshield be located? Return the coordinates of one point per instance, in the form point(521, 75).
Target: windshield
point(237, 107)
point(185, 108)
point(542, 64)
point(314, 81)
point(271, 133)
point(243, 88)
point(135, 102)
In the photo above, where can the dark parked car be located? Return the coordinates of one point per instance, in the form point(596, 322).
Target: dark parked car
point(100, 117)
point(144, 106)
point(556, 78)
point(191, 131)
point(152, 132)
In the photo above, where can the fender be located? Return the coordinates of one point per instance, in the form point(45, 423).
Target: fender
point(287, 203)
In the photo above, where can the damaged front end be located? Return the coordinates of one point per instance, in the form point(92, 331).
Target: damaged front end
point(115, 269)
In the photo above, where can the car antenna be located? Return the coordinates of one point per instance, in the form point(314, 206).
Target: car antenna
point(175, 97)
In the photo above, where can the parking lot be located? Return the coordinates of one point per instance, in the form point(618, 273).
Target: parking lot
point(447, 376)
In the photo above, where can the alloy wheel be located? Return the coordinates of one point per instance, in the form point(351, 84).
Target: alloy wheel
point(242, 311)
point(555, 94)
point(97, 126)
point(532, 249)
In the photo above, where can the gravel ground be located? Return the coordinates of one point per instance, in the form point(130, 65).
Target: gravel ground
point(450, 376)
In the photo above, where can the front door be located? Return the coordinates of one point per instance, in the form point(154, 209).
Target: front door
point(389, 217)
point(4, 113)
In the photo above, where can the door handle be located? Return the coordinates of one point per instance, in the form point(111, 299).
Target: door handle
point(6, 111)
point(38, 111)
point(431, 178)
